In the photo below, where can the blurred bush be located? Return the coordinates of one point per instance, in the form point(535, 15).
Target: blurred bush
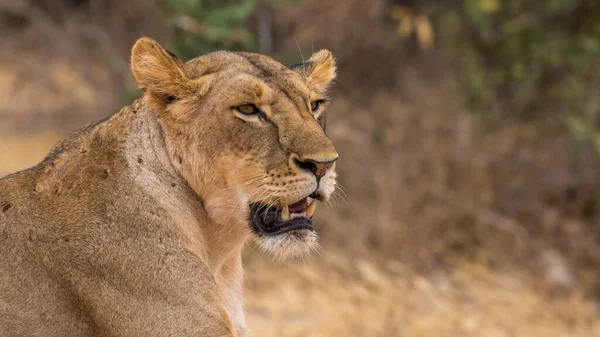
point(202, 26)
point(534, 56)
point(539, 55)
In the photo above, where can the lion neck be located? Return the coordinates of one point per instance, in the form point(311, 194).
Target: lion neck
point(222, 221)
point(209, 213)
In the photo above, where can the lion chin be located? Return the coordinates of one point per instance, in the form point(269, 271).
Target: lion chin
point(294, 244)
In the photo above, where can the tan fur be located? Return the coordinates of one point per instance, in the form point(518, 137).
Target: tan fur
point(135, 226)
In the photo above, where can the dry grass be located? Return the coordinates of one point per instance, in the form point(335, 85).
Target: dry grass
point(337, 296)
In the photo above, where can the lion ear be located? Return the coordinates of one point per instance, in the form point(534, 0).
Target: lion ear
point(319, 70)
point(159, 72)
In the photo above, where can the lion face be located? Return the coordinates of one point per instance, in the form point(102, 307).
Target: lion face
point(251, 130)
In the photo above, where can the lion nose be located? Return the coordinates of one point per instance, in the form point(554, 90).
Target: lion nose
point(318, 168)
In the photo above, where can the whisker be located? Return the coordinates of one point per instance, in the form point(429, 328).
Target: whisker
point(302, 56)
point(341, 189)
point(269, 205)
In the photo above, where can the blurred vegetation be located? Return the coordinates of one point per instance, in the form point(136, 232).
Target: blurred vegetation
point(202, 26)
point(534, 56)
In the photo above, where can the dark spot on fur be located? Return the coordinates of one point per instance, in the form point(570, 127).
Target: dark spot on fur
point(173, 184)
point(83, 151)
point(105, 173)
point(160, 239)
point(30, 235)
point(283, 184)
point(56, 191)
point(140, 160)
point(66, 239)
point(171, 99)
point(279, 176)
point(179, 159)
point(6, 207)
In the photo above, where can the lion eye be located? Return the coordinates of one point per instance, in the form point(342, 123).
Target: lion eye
point(314, 106)
point(248, 109)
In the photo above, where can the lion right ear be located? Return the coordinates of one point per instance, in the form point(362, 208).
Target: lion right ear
point(159, 72)
point(319, 70)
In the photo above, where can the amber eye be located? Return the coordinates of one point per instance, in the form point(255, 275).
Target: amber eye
point(314, 106)
point(248, 109)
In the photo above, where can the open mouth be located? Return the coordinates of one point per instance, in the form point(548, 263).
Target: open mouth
point(271, 220)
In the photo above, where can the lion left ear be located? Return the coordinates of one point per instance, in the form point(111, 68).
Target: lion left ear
point(319, 70)
point(159, 72)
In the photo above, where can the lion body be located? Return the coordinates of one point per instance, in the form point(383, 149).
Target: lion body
point(135, 226)
point(85, 248)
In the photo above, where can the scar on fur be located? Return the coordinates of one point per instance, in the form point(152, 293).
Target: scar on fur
point(6, 207)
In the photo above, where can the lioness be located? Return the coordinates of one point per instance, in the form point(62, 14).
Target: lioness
point(135, 226)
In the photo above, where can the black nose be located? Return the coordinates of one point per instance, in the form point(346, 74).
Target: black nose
point(316, 167)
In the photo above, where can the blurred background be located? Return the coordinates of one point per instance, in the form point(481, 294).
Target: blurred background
point(469, 141)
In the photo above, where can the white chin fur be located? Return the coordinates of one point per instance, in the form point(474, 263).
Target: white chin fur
point(291, 245)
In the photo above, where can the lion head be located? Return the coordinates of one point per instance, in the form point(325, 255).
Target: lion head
point(248, 135)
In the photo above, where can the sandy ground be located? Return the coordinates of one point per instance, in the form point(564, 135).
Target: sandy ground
point(337, 294)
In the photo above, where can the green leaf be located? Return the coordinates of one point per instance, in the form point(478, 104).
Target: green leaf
point(597, 142)
point(577, 126)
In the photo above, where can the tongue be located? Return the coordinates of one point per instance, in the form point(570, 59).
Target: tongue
point(298, 206)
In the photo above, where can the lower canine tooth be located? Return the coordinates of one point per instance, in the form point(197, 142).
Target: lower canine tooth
point(285, 213)
point(310, 210)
